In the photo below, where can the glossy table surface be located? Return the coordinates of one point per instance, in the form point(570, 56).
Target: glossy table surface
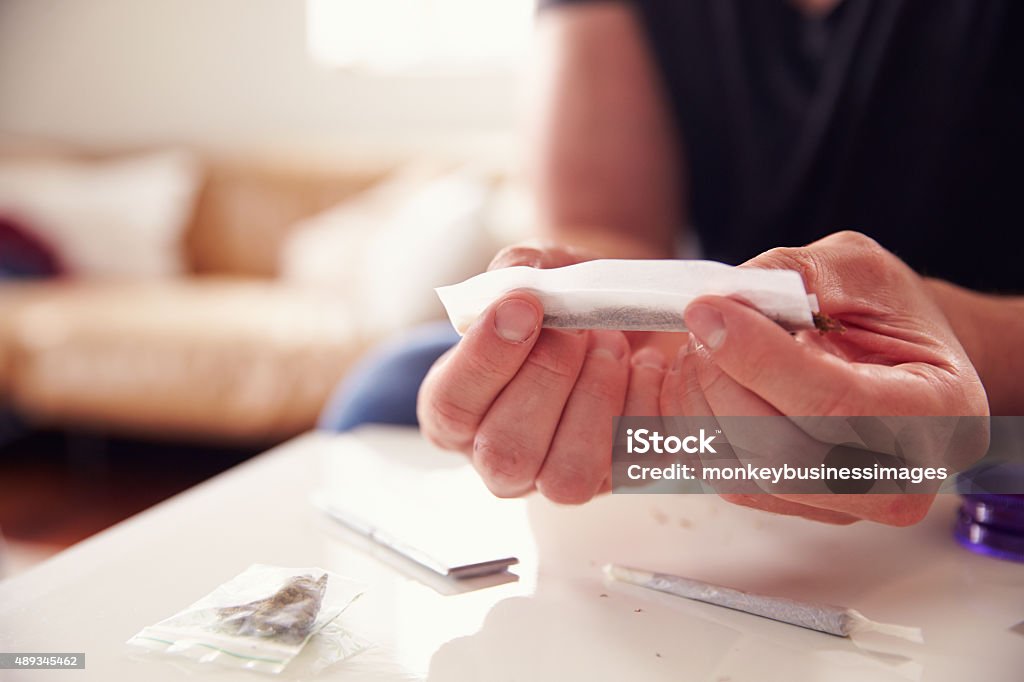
point(557, 618)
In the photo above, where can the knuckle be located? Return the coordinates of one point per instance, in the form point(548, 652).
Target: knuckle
point(802, 259)
point(481, 363)
point(856, 239)
point(448, 423)
point(604, 388)
point(502, 461)
point(873, 262)
point(438, 437)
point(552, 366)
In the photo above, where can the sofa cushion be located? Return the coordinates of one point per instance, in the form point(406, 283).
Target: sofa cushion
point(247, 207)
point(205, 358)
point(121, 216)
point(15, 297)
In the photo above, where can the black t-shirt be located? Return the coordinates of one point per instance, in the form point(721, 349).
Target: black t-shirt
point(903, 119)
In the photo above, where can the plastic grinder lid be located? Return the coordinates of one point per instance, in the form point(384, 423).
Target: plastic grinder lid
point(991, 519)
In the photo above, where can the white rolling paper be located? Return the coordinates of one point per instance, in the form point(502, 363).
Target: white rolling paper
point(633, 295)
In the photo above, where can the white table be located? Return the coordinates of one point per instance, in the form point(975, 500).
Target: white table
point(551, 624)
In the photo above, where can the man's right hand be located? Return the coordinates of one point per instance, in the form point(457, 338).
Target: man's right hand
point(533, 407)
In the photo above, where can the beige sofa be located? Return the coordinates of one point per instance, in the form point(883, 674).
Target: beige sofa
point(227, 353)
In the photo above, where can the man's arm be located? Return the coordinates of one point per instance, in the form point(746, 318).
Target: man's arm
point(605, 165)
point(991, 330)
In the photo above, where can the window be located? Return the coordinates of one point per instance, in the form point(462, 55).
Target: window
point(400, 35)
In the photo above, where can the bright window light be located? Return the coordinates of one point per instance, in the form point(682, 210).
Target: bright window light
point(396, 35)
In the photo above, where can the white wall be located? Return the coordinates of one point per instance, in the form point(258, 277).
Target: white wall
point(228, 74)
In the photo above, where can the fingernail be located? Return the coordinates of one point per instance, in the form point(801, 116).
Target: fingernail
point(649, 357)
point(515, 320)
point(706, 323)
point(607, 343)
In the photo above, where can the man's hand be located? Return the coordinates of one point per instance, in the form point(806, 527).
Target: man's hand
point(898, 356)
point(533, 407)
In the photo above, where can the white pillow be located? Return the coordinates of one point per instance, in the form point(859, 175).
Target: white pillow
point(389, 249)
point(326, 250)
point(121, 217)
point(437, 236)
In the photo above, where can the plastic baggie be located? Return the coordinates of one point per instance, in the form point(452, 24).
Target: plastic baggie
point(261, 620)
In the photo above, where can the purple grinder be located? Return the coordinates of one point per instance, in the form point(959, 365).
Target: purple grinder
point(991, 518)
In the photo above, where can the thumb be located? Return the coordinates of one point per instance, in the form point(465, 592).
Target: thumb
point(850, 273)
point(796, 378)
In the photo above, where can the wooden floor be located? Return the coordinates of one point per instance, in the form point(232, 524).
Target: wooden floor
point(59, 488)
